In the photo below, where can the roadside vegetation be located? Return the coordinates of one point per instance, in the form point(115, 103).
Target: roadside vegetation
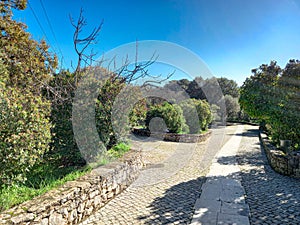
point(38, 149)
point(271, 95)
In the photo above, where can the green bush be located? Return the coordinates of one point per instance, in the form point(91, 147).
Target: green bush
point(171, 114)
point(197, 114)
point(64, 149)
point(204, 113)
point(104, 106)
point(24, 133)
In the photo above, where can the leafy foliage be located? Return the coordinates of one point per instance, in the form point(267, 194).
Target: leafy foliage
point(64, 149)
point(24, 133)
point(104, 106)
point(258, 92)
point(197, 114)
point(25, 68)
point(228, 87)
point(232, 107)
point(29, 62)
point(171, 114)
point(118, 150)
point(272, 95)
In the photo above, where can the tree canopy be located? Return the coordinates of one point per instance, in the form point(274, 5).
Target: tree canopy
point(271, 94)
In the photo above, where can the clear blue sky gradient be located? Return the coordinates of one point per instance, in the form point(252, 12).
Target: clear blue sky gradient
point(231, 36)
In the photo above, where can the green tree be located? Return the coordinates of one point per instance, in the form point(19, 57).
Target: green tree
point(232, 107)
point(272, 95)
point(259, 92)
point(24, 132)
point(29, 62)
point(228, 87)
point(289, 107)
point(104, 106)
point(26, 67)
point(195, 89)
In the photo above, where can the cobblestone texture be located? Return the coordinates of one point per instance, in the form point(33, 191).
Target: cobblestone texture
point(171, 200)
point(273, 198)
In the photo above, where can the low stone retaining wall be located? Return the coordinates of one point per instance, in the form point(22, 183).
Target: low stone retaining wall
point(284, 164)
point(76, 200)
point(185, 138)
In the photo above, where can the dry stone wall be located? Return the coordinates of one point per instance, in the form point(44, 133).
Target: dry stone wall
point(286, 164)
point(185, 138)
point(78, 199)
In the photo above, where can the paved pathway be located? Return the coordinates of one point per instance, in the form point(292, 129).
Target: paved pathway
point(273, 198)
point(174, 191)
point(222, 200)
point(174, 183)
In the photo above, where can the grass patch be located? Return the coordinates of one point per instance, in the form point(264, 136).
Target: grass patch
point(118, 151)
point(43, 179)
point(47, 176)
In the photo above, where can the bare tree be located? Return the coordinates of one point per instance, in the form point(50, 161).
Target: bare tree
point(127, 73)
point(81, 44)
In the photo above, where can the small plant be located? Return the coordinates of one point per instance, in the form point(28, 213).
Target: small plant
point(118, 150)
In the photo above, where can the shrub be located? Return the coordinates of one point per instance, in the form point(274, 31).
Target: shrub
point(191, 115)
point(204, 113)
point(104, 106)
point(197, 114)
point(171, 114)
point(137, 115)
point(24, 133)
point(63, 147)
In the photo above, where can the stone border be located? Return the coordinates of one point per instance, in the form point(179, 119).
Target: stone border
point(76, 200)
point(185, 138)
point(284, 164)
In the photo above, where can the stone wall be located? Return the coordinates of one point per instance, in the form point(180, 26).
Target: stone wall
point(286, 164)
point(186, 138)
point(76, 200)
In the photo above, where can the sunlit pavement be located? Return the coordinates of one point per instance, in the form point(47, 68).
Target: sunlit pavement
point(222, 200)
point(237, 186)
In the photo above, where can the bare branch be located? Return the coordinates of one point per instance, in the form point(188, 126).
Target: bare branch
point(81, 44)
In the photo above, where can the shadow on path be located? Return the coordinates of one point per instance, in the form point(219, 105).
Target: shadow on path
point(177, 204)
point(273, 198)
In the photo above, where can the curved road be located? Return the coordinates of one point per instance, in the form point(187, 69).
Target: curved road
point(167, 190)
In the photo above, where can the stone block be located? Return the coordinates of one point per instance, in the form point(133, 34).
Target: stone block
point(73, 215)
point(97, 200)
point(81, 207)
point(56, 219)
point(45, 221)
point(21, 218)
point(77, 199)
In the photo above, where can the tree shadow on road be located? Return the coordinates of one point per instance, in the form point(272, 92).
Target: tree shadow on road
point(272, 197)
point(177, 204)
point(247, 133)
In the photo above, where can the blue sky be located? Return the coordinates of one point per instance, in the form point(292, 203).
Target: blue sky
point(231, 36)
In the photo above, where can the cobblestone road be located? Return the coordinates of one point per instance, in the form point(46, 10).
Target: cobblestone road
point(171, 196)
point(273, 198)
